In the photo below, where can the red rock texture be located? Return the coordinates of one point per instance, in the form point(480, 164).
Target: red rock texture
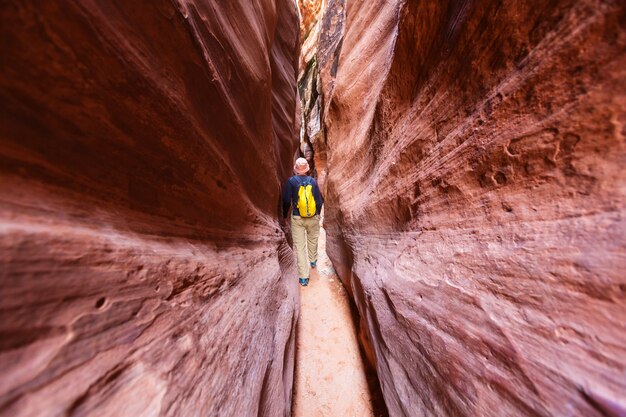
point(329, 48)
point(310, 11)
point(142, 269)
point(317, 80)
point(476, 202)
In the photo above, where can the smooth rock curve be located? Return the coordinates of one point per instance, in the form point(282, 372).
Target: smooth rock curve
point(142, 271)
point(476, 202)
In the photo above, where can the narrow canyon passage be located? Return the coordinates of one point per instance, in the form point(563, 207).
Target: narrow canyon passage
point(471, 157)
point(330, 377)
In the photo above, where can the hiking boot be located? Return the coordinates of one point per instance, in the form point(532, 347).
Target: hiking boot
point(304, 282)
point(314, 264)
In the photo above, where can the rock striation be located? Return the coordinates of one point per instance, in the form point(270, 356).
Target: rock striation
point(315, 81)
point(476, 201)
point(309, 12)
point(142, 270)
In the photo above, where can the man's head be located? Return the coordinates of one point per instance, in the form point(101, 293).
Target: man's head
point(301, 167)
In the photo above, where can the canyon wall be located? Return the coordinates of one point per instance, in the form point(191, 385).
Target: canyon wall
point(143, 145)
point(309, 12)
point(318, 65)
point(476, 201)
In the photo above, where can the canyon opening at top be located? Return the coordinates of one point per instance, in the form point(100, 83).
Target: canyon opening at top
point(471, 158)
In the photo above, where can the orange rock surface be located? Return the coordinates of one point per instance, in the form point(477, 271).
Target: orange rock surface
point(310, 11)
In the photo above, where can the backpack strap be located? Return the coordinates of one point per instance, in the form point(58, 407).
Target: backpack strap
point(304, 181)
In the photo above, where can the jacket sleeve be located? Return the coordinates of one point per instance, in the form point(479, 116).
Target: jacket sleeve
point(287, 198)
point(317, 195)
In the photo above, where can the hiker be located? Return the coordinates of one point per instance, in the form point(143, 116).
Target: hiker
point(303, 194)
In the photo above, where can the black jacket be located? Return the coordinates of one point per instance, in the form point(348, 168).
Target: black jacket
point(290, 196)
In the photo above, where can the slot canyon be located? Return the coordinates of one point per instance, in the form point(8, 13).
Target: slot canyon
point(472, 159)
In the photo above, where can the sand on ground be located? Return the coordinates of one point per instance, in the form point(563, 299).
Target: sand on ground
point(330, 379)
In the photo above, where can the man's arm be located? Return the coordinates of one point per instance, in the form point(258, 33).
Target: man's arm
point(317, 195)
point(287, 198)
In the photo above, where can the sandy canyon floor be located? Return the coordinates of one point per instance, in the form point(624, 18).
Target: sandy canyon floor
point(330, 377)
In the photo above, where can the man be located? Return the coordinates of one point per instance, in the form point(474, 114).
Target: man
point(303, 194)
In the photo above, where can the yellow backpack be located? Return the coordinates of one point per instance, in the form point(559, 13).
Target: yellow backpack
point(306, 202)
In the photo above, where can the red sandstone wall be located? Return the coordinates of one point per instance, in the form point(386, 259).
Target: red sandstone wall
point(310, 11)
point(142, 270)
point(476, 202)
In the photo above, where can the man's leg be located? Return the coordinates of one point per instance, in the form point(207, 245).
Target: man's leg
point(299, 243)
point(312, 236)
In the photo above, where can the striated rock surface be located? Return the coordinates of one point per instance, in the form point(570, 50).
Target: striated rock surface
point(318, 66)
point(142, 148)
point(309, 13)
point(329, 46)
point(311, 18)
point(476, 202)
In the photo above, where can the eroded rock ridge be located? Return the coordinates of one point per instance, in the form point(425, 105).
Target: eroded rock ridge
point(143, 147)
point(476, 201)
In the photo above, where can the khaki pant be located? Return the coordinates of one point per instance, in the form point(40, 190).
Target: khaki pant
point(305, 232)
